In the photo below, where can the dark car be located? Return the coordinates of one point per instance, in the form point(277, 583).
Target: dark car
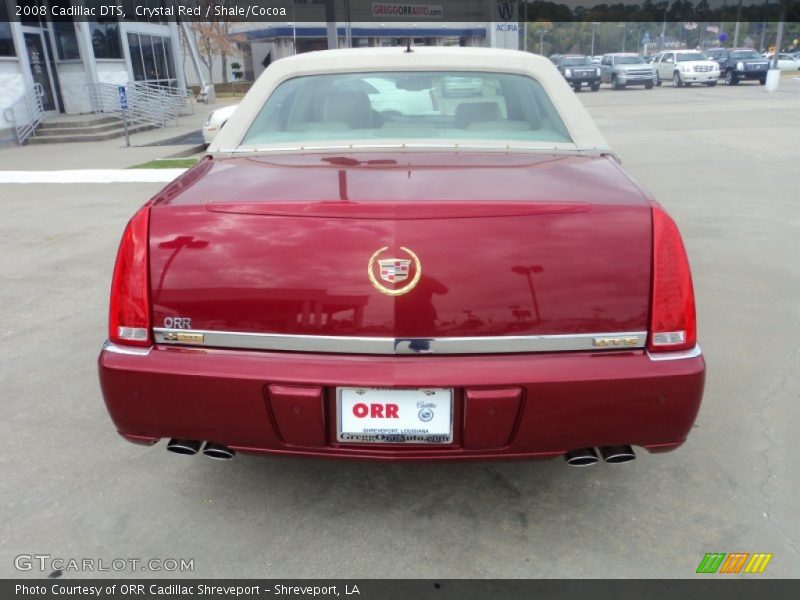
point(736, 64)
point(578, 70)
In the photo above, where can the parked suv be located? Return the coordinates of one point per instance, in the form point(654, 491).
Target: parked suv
point(578, 69)
point(685, 67)
point(624, 69)
point(736, 64)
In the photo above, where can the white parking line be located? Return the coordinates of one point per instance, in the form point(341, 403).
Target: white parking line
point(92, 176)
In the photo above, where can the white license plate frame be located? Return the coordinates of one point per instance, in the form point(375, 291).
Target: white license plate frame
point(411, 428)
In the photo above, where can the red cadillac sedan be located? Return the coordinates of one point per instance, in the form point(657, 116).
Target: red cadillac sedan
point(366, 266)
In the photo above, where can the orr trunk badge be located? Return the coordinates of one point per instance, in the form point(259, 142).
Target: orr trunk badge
point(394, 270)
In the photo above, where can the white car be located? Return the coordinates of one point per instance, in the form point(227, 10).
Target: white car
point(786, 62)
point(685, 67)
point(463, 86)
point(388, 97)
point(215, 120)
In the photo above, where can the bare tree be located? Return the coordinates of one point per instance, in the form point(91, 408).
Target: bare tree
point(214, 38)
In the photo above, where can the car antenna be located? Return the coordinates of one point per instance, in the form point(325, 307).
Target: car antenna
point(408, 44)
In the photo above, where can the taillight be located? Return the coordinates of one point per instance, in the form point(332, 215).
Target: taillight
point(129, 314)
point(673, 324)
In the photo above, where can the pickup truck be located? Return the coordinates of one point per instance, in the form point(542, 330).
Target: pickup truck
point(624, 69)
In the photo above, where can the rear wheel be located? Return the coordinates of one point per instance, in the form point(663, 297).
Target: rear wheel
point(711, 83)
point(676, 80)
point(730, 78)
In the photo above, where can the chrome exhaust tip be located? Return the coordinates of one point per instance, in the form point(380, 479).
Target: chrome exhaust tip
point(617, 454)
point(187, 447)
point(581, 458)
point(218, 451)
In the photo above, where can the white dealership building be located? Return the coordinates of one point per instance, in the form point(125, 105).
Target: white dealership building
point(64, 59)
point(60, 66)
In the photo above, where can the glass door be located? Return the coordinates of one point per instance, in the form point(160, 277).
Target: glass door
point(40, 67)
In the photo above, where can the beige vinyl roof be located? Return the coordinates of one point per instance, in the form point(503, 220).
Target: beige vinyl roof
point(582, 129)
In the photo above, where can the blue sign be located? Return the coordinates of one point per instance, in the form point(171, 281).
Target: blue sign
point(123, 97)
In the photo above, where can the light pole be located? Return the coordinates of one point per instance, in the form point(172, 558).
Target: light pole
point(594, 27)
point(541, 41)
point(525, 27)
point(528, 272)
point(624, 34)
point(736, 31)
point(176, 245)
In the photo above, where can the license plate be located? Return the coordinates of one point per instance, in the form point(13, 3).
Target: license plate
point(391, 416)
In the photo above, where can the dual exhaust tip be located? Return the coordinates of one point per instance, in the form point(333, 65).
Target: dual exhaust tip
point(583, 457)
point(192, 447)
point(614, 455)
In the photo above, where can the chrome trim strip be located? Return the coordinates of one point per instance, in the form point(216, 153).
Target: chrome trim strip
point(680, 355)
point(392, 346)
point(557, 148)
point(132, 350)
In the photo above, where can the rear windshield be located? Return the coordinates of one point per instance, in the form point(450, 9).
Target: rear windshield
point(575, 61)
point(687, 56)
point(745, 54)
point(628, 60)
point(407, 106)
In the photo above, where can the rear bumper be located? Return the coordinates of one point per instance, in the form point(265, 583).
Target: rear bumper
point(565, 401)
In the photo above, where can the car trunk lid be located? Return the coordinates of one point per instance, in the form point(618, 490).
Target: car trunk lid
point(495, 245)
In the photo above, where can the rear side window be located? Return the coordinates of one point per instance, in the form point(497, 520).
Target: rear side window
point(407, 106)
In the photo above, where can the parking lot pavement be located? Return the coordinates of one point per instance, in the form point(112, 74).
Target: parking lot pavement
point(111, 154)
point(723, 161)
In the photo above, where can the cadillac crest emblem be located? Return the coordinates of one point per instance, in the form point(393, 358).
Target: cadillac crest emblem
point(394, 270)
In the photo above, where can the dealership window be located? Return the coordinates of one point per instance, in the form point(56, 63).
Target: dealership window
point(66, 40)
point(151, 59)
point(6, 41)
point(105, 39)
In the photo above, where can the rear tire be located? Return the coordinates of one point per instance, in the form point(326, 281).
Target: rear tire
point(711, 83)
point(730, 78)
point(676, 80)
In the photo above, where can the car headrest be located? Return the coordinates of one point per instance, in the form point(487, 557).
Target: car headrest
point(349, 106)
point(471, 112)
